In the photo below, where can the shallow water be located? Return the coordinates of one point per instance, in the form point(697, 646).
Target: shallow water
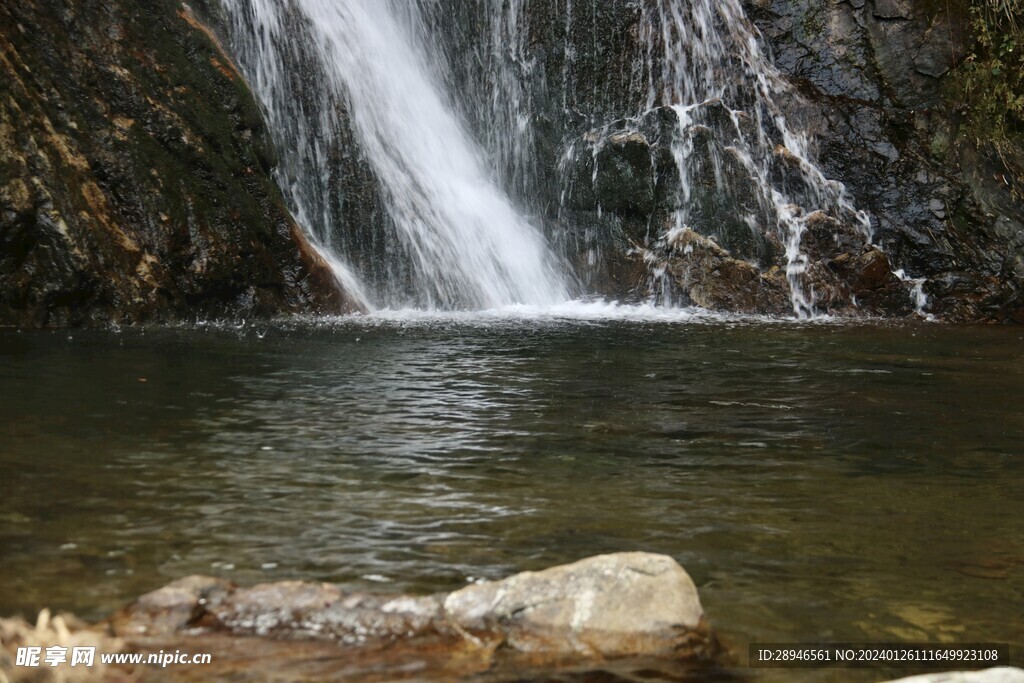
point(819, 481)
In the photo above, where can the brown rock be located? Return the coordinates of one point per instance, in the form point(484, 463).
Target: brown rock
point(710, 277)
point(171, 609)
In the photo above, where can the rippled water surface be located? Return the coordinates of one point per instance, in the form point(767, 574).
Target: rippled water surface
point(820, 482)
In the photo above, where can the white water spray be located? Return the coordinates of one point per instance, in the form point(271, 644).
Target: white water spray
point(464, 243)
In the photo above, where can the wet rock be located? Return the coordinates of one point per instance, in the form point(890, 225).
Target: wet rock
point(625, 174)
point(611, 606)
point(820, 44)
point(296, 609)
point(630, 169)
point(867, 279)
point(825, 236)
point(700, 272)
point(135, 173)
point(997, 675)
point(874, 80)
point(175, 607)
point(724, 201)
point(848, 276)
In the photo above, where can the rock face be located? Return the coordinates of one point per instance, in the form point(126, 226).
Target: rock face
point(878, 80)
point(872, 82)
point(606, 607)
point(998, 675)
point(135, 171)
point(135, 175)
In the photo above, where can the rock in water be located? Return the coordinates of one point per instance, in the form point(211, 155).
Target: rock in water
point(998, 675)
point(606, 606)
point(170, 609)
point(611, 606)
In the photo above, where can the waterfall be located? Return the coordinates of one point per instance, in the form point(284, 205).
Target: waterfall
point(338, 74)
point(423, 143)
point(736, 118)
point(705, 60)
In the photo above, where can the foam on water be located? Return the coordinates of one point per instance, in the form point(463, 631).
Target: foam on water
point(580, 311)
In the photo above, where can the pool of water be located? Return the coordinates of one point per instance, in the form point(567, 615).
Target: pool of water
point(819, 481)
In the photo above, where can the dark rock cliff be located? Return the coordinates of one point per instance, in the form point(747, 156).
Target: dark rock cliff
point(135, 175)
point(881, 77)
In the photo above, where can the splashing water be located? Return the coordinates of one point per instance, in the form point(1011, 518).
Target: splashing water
point(917, 293)
point(456, 239)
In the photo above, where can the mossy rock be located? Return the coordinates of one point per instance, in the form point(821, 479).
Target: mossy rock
point(137, 174)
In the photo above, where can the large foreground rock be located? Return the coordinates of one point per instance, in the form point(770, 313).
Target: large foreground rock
point(998, 675)
point(611, 606)
point(607, 606)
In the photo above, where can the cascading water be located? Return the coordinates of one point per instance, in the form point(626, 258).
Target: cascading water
point(747, 174)
point(420, 141)
point(318, 64)
point(713, 72)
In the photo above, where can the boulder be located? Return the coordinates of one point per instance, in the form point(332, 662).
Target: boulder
point(618, 605)
point(611, 606)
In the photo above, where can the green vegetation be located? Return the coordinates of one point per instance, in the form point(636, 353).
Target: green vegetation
point(991, 78)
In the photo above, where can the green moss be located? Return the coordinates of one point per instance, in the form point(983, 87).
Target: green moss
point(990, 81)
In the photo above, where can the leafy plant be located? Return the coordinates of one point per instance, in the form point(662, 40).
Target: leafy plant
point(991, 78)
